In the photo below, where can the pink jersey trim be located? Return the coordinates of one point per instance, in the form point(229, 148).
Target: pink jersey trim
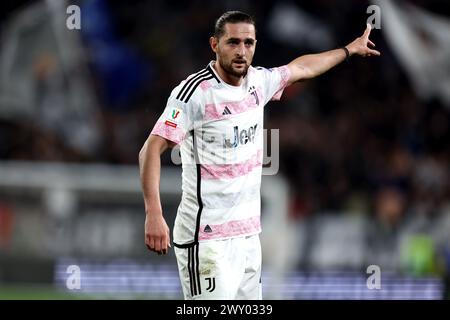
point(216, 111)
point(168, 132)
point(230, 171)
point(285, 74)
point(230, 229)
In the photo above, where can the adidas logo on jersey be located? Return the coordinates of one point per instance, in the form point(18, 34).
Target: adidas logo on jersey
point(207, 229)
point(226, 111)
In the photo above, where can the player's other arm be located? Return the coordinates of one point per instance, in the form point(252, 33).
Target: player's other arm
point(313, 65)
point(157, 235)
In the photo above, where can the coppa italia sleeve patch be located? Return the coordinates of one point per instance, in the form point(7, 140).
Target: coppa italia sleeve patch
point(173, 118)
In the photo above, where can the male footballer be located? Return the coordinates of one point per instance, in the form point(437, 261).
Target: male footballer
point(216, 117)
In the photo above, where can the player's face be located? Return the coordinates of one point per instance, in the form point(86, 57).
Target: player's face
point(235, 49)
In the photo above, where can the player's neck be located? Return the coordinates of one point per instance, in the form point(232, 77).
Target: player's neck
point(225, 76)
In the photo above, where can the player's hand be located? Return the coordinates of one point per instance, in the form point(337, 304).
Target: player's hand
point(157, 235)
point(360, 46)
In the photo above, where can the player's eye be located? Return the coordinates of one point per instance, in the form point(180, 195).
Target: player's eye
point(249, 42)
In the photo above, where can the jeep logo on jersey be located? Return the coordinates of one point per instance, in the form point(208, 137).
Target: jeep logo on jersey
point(240, 137)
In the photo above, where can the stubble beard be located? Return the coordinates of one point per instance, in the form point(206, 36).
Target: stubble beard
point(228, 68)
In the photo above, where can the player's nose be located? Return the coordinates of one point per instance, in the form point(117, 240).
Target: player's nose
point(241, 50)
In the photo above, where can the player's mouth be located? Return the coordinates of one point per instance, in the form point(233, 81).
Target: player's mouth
point(239, 63)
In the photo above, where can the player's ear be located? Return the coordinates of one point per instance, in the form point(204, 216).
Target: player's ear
point(213, 41)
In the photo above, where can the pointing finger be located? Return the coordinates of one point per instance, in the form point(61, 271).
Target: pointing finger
point(371, 43)
point(367, 31)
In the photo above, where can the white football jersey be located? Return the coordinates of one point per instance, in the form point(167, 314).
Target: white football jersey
point(219, 128)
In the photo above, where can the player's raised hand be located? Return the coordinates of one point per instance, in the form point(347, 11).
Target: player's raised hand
point(360, 46)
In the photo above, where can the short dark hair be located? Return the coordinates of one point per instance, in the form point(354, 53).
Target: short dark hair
point(231, 17)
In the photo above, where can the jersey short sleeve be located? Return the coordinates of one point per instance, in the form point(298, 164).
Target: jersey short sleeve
point(275, 80)
point(176, 119)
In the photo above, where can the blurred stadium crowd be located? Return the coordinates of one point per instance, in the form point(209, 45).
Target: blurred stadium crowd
point(357, 140)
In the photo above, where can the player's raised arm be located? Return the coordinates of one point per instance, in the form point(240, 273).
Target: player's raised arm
point(157, 235)
point(313, 65)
